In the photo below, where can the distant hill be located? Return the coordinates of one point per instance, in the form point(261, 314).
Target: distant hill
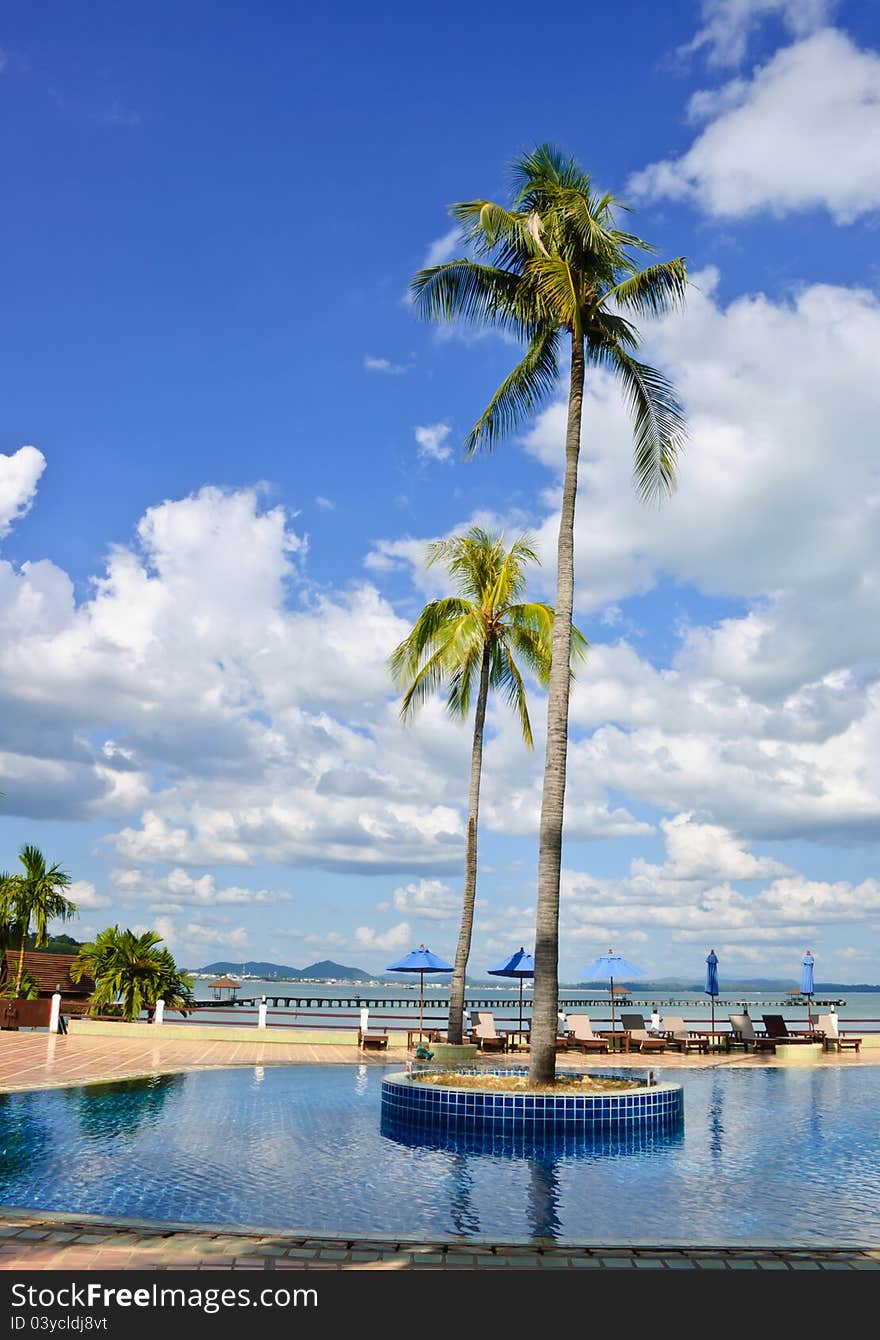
point(324, 971)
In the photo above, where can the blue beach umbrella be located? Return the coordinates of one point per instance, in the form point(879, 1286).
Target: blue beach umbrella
point(420, 960)
point(519, 965)
point(807, 988)
point(711, 987)
point(610, 965)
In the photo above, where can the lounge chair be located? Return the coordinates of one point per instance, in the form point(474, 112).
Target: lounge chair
point(744, 1035)
point(634, 1026)
point(833, 1039)
point(581, 1037)
point(678, 1037)
point(484, 1033)
point(778, 1030)
point(372, 1039)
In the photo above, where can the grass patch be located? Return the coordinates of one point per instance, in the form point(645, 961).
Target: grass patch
point(520, 1083)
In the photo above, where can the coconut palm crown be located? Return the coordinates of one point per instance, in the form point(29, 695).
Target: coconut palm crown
point(31, 899)
point(471, 643)
point(554, 269)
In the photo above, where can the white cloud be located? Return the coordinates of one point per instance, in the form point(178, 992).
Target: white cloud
point(178, 888)
point(432, 440)
point(429, 899)
point(19, 476)
point(799, 135)
point(327, 504)
point(383, 365)
point(83, 893)
point(728, 24)
point(396, 937)
point(442, 249)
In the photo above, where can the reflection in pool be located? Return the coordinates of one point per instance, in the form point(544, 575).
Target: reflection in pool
point(776, 1154)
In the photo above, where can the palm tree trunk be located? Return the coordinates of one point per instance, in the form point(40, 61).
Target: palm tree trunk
point(20, 975)
point(542, 1068)
point(462, 953)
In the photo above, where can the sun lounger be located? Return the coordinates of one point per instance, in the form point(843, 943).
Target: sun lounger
point(833, 1039)
point(485, 1034)
point(379, 1041)
point(778, 1030)
point(581, 1036)
point(678, 1037)
point(744, 1035)
point(639, 1036)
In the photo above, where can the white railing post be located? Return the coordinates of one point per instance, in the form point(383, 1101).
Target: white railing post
point(55, 1013)
point(159, 1015)
point(263, 1021)
point(365, 1018)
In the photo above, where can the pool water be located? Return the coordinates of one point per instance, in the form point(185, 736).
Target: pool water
point(770, 1155)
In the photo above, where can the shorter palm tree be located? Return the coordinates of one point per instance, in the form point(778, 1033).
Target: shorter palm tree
point(130, 973)
point(28, 902)
point(471, 642)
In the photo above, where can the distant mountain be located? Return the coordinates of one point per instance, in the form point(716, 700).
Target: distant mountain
point(324, 971)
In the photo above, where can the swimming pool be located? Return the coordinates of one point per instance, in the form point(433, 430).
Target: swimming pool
point(785, 1155)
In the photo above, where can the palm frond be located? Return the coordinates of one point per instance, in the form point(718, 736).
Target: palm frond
point(659, 424)
point(505, 676)
point(654, 291)
point(462, 290)
point(521, 393)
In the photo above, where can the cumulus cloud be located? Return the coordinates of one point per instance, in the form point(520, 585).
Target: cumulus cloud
point(728, 25)
point(798, 135)
point(19, 476)
point(432, 440)
point(396, 937)
point(693, 896)
point(429, 899)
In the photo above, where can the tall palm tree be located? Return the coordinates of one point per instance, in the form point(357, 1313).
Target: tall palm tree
point(29, 901)
point(471, 642)
point(554, 269)
point(129, 970)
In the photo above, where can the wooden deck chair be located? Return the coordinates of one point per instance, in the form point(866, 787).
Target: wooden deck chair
point(679, 1039)
point(833, 1039)
point(581, 1036)
point(634, 1025)
point(778, 1030)
point(372, 1039)
point(744, 1035)
point(485, 1034)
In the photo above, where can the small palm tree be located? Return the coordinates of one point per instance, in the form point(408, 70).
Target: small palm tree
point(29, 901)
point(471, 642)
point(131, 973)
point(554, 269)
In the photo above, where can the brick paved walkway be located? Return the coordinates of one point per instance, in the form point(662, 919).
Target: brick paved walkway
point(40, 1061)
point(39, 1241)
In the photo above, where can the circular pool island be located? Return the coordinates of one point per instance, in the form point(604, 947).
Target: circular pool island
point(434, 1102)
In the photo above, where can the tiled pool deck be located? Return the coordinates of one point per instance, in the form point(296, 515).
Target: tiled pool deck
point(36, 1240)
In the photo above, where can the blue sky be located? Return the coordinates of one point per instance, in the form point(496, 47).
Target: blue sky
point(226, 438)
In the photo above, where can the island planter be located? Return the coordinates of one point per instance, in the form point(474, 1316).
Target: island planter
point(432, 1108)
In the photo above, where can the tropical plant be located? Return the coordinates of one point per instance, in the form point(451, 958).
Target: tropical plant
point(471, 642)
point(27, 989)
point(553, 269)
point(29, 901)
point(130, 974)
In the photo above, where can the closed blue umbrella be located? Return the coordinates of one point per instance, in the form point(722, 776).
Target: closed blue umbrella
point(420, 960)
point(807, 988)
point(610, 965)
point(711, 987)
point(519, 965)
